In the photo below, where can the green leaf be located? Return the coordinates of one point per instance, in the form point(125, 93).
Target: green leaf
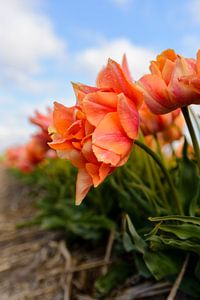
point(141, 266)
point(127, 242)
point(115, 276)
point(184, 231)
point(162, 264)
point(160, 242)
point(139, 242)
point(185, 219)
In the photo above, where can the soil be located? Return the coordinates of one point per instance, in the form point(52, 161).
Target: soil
point(37, 264)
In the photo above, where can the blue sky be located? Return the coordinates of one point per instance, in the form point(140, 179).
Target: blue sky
point(45, 44)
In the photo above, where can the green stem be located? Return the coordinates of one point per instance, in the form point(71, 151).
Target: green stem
point(165, 172)
point(195, 119)
point(188, 121)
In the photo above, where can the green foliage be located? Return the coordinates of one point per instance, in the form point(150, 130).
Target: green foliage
point(153, 239)
point(115, 276)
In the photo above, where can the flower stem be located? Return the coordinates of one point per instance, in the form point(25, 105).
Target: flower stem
point(165, 172)
point(188, 121)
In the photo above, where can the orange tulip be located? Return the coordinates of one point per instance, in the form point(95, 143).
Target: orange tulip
point(174, 132)
point(97, 134)
point(168, 86)
point(112, 108)
point(16, 157)
point(72, 139)
point(152, 124)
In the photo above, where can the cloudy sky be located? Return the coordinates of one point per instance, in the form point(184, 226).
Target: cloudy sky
point(45, 44)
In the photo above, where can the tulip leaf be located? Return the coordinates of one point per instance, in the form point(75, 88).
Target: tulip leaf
point(184, 231)
point(160, 242)
point(127, 242)
point(162, 264)
point(139, 242)
point(185, 219)
point(115, 276)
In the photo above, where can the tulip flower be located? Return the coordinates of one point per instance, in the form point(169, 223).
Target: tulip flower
point(152, 124)
point(72, 139)
point(112, 108)
point(97, 134)
point(169, 85)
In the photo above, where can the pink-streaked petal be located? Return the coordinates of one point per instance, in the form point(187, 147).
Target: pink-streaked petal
point(128, 115)
point(182, 94)
point(109, 135)
point(107, 156)
point(83, 185)
point(97, 105)
point(155, 94)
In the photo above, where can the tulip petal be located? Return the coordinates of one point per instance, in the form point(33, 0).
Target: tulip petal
point(125, 68)
point(97, 172)
point(97, 105)
point(155, 94)
point(63, 117)
point(87, 150)
point(109, 135)
point(81, 90)
point(83, 185)
point(106, 156)
point(128, 115)
point(114, 78)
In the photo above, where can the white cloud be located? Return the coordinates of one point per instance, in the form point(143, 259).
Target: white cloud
point(26, 38)
point(91, 60)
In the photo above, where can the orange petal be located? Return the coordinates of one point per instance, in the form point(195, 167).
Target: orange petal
point(97, 105)
point(155, 94)
point(76, 130)
point(114, 78)
point(107, 156)
point(63, 117)
point(128, 115)
point(125, 67)
point(109, 135)
point(98, 172)
point(81, 90)
point(60, 144)
point(168, 70)
point(87, 150)
point(83, 185)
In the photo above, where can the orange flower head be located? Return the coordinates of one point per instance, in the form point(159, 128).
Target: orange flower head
point(72, 139)
point(166, 88)
point(97, 134)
